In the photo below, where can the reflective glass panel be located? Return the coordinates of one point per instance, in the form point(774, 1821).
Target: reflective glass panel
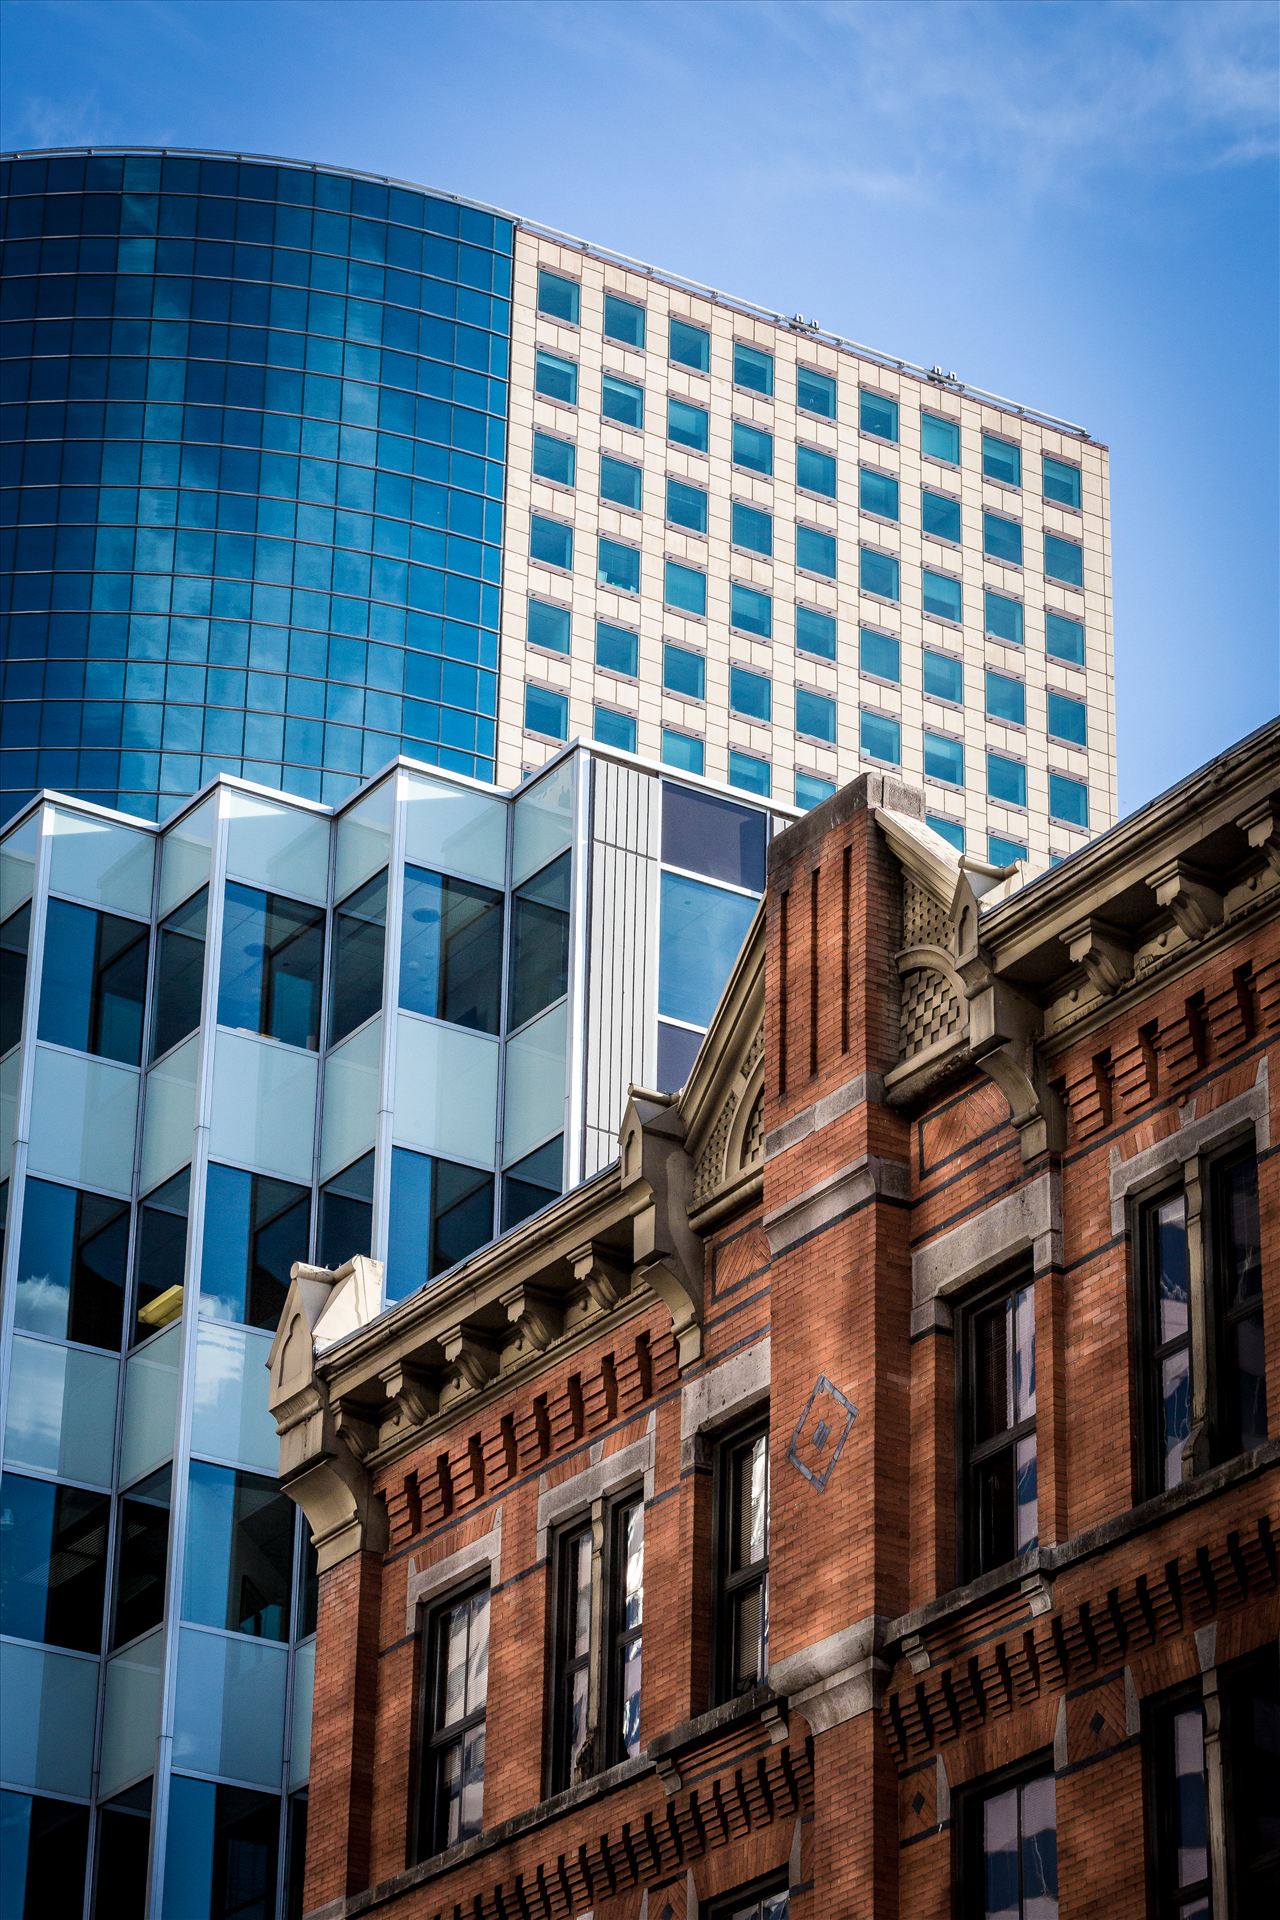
point(1006, 779)
point(715, 837)
point(816, 632)
point(943, 676)
point(877, 414)
point(812, 790)
point(546, 712)
point(1006, 698)
point(15, 936)
point(221, 1860)
point(345, 1224)
point(142, 1548)
point(554, 459)
point(272, 954)
point(238, 1570)
point(44, 1847)
point(1061, 481)
point(1063, 560)
point(816, 551)
point(940, 515)
point(1002, 617)
point(539, 942)
point(816, 471)
point(160, 1257)
point(1001, 460)
point(622, 400)
point(621, 482)
point(878, 573)
point(684, 588)
point(752, 448)
point(816, 392)
point(878, 493)
point(549, 626)
point(815, 715)
point(556, 377)
point(1001, 538)
point(177, 986)
point(53, 1569)
point(440, 1212)
point(532, 1183)
point(93, 982)
point(618, 566)
point(613, 729)
point(687, 425)
point(880, 737)
point(942, 595)
point(71, 1265)
point(750, 611)
point(359, 942)
point(623, 320)
point(702, 930)
point(550, 541)
point(752, 528)
point(558, 296)
point(617, 649)
point(878, 654)
point(255, 1228)
point(1064, 638)
point(687, 505)
point(940, 438)
point(752, 368)
point(688, 346)
point(750, 693)
point(682, 750)
point(451, 950)
point(1068, 800)
point(1067, 718)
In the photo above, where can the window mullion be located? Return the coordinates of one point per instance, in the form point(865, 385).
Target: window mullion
point(1197, 1454)
point(1215, 1791)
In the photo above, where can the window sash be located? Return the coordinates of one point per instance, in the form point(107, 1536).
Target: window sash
point(457, 1743)
point(742, 1601)
point(996, 1467)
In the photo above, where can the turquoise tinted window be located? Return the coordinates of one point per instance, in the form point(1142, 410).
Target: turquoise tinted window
point(816, 551)
point(816, 632)
point(689, 346)
point(1063, 560)
point(943, 759)
point(879, 653)
point(752, 368)
point(1006, 698)
point(620, 482)
point(622, 400)
point(1002, 617)
point(618, 566)
point(1002, 852)
point(1001, 460)
point(1006, 779)
point(1064, 638)
point(949, 829)
point(549, 626)
point(555, 377)
point(554, 459)
point(880, 737)
point(750, 693)
point(942, 595)
point(816, 471)
point(682, 750)
point(878, 493)
point(940, 438)
point(617, 648)
point(1061, 482)
point(877, 415)
point(816, 392)
point(684, 588)
point(812, 790)
point(815, 715)
point(940, 515)
point(687, 425)
point(878, 573)
point(943, 676)
point(752, 528)
point(550, 541)
point(687, 505)
point(684, 672)
point(558, 297)
point(1068, 800)
point(546, 711)
point(623, 320)
point(750, 773)
point(1066, 718)
point(614, 729)
point(752, 448)
point(1001, 538)
point(750, 612)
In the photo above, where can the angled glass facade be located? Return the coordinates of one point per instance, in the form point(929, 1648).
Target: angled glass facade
point(251, 480)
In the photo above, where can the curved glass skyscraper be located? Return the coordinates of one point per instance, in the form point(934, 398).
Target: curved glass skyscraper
point(251, 496)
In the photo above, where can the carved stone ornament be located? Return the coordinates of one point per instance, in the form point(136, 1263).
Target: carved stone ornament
point(1004, 1027)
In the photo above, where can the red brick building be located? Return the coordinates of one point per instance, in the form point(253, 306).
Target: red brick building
point(861, 1500)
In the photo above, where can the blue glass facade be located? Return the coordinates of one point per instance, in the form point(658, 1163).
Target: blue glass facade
point(253, 422)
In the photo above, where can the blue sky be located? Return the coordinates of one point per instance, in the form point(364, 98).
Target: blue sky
point(1073, 204)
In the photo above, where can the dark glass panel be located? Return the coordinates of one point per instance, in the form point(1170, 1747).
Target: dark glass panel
point(222, 1852)
point(272, 953)
point(707, 835)
point(124, 1843)
point(72, 1260)
point(178, 984)
point(532, 1183)
point(539, 942)
point(93, 982)
point(161, 1255)
point(359, 943)
point(677, 1051)
point(142, 1547)
point(451, 950)
point(295, 1855)
point(15, 936)
point(255, 1229)
point(44, 1846)
point(53, 1565)
point(239, 1561)
point(345, 1225)
point(440, 1212)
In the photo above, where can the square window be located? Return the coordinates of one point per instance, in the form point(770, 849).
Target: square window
point(943, 759)
point(558, 297)
point(618, 566)
point(1061, 482)
point(942, 595)
point(812, 790)
point(1067, 719)
point(940, 438)
point(879, 654)
point(750, 693)
point(816, 632)
point(878, 493)
point(949, 830)
point(550, 541)
point(684, 672)
point(614, 729)
point(1063, 560)
point(752, 448)
point(750, 611)
point(1001, 460)
point(687, 425)
point(548, 626)
point(556, 377)
point(816, 392)
point(944, 676)
point(1064, 638)
point(878, 573)
point(1068, 800)
point(816, 551)
point(1002, 617)
point(623, 320)
point(1006, 779)
point(815, 715)
point(617, 649)
point(752, 528)
point(622, 400)
point(684, 588)
point(620, 482)
point(749, 773)
point(687, 505)
point(880, 737)
point(554, 459)
point(940, 516)
point(877, 415)
point(1006, 699)
point(688, 346)
point(546, 711)
point(752, 368)
point(1001, 538)
point(682, 750)
point(816, 471)
point(1004, 853)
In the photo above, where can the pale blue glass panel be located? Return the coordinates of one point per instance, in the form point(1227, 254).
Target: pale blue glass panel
point(18, 864)
point(684, 588)
point(1064, 638)
point(689, 346)
point(880, 737)
point(186, 854)
point(750, 611)
point(454, 830)
point(816, 392)
point(1067, 718)
point(944, 676)
point(878, 573)
point(544, 823)
point(684, 672)
point(1068, 800)
point(229, 1717)
point(535, 1089)
point(363, 839)
point(879, 654)
point(263, 1110)
point(687, 425)
point(46, 1722)
point(623, 320)
point(1002, 617)
point(877, 415)
point(748, 771)
point(618, 565)
point(816, 632)
point(622, 400)
point(62, 1410)
point(752, 368)
point(942, 595)
point(169, 1114)
point(750, 693)
point(701, 933)
point(558, 296)
point(940, 438)
point(815, 715)
point(1001, 538)
point(556, 377)
point(446, 1099)
point(98, 861)
point(1006, 698)
point(940, 515)
point(10, 1074)
point(682, 750)
point(230, 1420)
point(304, 1690)
point(752, 448)
point(1006, 779)
point(151, 1402)
point(1002, 852)
point(816, 471)
point(351, 1075)
point(950, 830)
point(878, 493)
point(131, 1712)
point(83, 1115)
point(614, 729)
point(943, 759)
point(811, 790)
point(282, 848)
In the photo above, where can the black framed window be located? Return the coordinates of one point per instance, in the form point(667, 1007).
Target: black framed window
point(271, 963)
point(742, 1602)
point(597, 1640)
point(1250, 1690)
point(94, 981)
point(1007, 1847)
point(1238, 1419)
point(769, 1900)
point(359, 941)
point(456, 1673)
point(626, 1630)
point(1178, 1808)
point(177, 985)
point(1166, 1309)
point(997, 1480)
point(571, 1681)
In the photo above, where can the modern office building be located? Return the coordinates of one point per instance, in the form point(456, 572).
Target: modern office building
point(303, 469)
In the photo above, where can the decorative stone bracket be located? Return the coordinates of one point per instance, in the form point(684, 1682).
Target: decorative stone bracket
point(668, 1253)
point(1004, 1027)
